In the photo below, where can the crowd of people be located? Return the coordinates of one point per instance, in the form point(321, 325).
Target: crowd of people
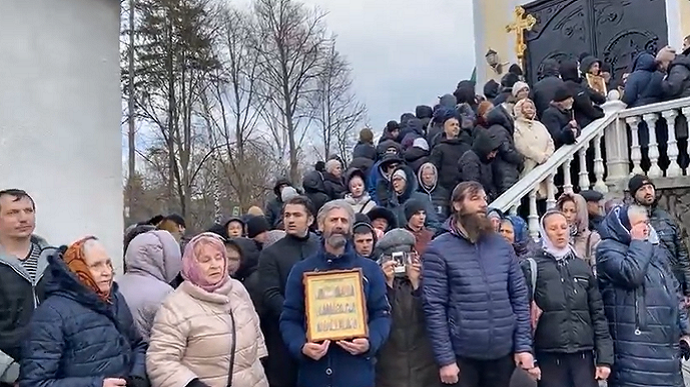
point(455, 292)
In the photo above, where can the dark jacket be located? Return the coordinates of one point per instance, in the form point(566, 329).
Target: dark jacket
point(337, 368)
point(670, 236)
point(543, 92)
point(275, 264)
point(509, 162)
point(445, 157)
point(410, 130)
point(677, 83)
point(315, 189)
point(475, 165)
point(642, 308)
point(415, 157)
point(644, 83)
point(557, 121)
point(438, 195)
point(386, 147)
point(406, 359)
point(475, 298)
point(573, 314)
point(335, 186)
point(584, 96)
point(274, 208)
point(248, 272)
point(76, 339)
point(365, 150)
point(396, 203)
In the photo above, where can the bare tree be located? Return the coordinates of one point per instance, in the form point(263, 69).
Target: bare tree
point(337, 113)
point(291, 43)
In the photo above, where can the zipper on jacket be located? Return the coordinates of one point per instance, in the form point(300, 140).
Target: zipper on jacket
point(491, 300)
point(562, 267)
point(637, 314)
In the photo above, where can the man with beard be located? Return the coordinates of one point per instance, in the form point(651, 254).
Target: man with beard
point(342, 363)
point(275, 263)
point(643, 192)
point(475, 298)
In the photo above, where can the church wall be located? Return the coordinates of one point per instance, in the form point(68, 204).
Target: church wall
point(60, 112)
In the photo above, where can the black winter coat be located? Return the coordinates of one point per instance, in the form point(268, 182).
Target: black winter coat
point(274, 208)
point(439, 197)
point(557, 122)
point(76, 339)
point(406, 359)
point(543, 92)
point(584, 96)
point(573, 317)
point(474, 165)
point(388, 146)
point(335, 186)
point(275, 263)
point(415, 157)
point(445, 157)
point(677, 83)
point(644, 83)
point(366, 150)
point(247, 273)
point(508, 162)
point(671, 238)
point(315, 189)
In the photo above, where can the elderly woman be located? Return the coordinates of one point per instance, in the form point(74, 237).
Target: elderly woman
point(514, 229)
point(153, 260)
point(572, 343)
point(210, 316)
point(532, 140)
point(333, 180)
point(83, 333)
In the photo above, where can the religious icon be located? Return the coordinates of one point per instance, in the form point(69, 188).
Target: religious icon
point(597, 82)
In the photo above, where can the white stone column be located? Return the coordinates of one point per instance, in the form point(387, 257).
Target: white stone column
point(60, 112)
point(674, 20)
point(617, 152)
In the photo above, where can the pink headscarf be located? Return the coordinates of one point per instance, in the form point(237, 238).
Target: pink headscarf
point(190, 266)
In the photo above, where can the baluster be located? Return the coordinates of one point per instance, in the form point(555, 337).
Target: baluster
point(550, 191)
point(672, 151)
point(567, 181)
point(599, 185)
point(514, 209)
point(583, 181)
point(533, 218)
point(654, 169)
point(686, 113)
point(635, 152)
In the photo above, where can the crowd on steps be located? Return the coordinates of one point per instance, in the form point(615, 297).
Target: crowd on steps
point(452, 292)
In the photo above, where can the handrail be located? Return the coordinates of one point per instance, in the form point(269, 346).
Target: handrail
point(655, 107)
point(527, 183)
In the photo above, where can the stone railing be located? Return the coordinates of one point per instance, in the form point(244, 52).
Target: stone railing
point(611, 175)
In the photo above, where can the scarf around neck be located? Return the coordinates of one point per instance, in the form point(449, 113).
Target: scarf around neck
point(74, 259)
point(548, 246)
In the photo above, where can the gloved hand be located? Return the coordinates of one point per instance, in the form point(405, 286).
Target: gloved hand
point(196, 383)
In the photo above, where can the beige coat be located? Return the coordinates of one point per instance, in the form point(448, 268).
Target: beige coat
point(534, 142)
point(192, 338)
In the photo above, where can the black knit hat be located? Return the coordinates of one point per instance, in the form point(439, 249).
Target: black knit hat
point(562, 93)
point(412, 207)
point(179, 220)
point(257, 225)
point(636, 182)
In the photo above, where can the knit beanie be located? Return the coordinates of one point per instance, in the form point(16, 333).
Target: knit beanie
point(399, 173)
point(396, 240)
point(412, 207)
point(636, 182)
point(257, 225)
point(518, 86)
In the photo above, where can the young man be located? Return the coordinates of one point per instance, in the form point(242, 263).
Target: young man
point(23, 264)
point(364, 236)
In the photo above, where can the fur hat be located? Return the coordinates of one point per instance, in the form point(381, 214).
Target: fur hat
point(395, 240)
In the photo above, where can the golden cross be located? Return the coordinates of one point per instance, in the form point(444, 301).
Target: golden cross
point(523, 22)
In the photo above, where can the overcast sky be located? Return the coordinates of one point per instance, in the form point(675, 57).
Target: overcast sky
point(403, 52)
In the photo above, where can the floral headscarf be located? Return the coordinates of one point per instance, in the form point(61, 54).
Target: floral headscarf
point(74, 259)
point(190, 265)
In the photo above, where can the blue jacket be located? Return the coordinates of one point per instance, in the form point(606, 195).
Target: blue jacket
point(641, 303)
point(644, 83)
point(75, 339)
point(338, 368)
point(475, 298)
point(387, 198)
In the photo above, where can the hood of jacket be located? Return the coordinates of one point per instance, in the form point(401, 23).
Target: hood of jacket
point(465, 92)
point(496, 116)
point(15, 264)
point(550, 68)
point(384, 213)
point(644, 61)
point(249, 260)
point(423, 111)
point(276, 187)
point(412, 125)
point(155, 253)
point(569, 71)
point(419, 177)
point(64, 283)
point(448, 100)
point(313, 182)
point(491, 89)
point(612, 227)
point(582, 218)
point(411, 185)
point(484, 143)
point(587, 62)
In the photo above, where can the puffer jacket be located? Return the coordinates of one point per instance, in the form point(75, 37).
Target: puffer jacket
point(670, 236)
point(543, 92)
point(475, 298)
point(76, 339)
point(274, 208)
point(642, 308)
point(19, 296)
point(644, 83)
point(677, 83)
point(572, 318)
point(194, 325)
point(364, 150)
point(475, 165)
point(396, 203)
point(508, 162)
point(406, 359)
point(439, 196)
point(445, 157)
point(315, 189)
point(153, 261)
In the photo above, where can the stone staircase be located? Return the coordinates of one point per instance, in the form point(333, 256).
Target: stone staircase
point(613, 166)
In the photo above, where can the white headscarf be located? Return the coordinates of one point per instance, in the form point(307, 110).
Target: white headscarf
point(547, 245)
